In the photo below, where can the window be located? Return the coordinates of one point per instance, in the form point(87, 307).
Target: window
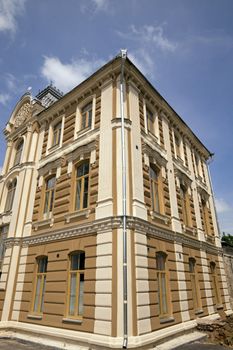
point(184, 205)
point(49, 195)
point(3, 236)
point(205, 215)
point(154, 184)
point(18, 153)
point(150, 121)
point(56, 134)
point(215, 283)
point(194, 284)
point(177, 146)
point(76, 284)
point(162, 283)
point(82, 186)
point(38, 298)
point(10, 195)
point(86, 116)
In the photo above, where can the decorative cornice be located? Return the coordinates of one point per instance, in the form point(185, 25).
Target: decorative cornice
point(108, 224)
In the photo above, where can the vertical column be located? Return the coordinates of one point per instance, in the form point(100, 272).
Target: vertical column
point(183, 296)
point(19, 284)
point(10, 283)
point(139, 209)
point(201, 236)
point(105, 201)
point(175, 220)
point(27, 144)
point(103, 288)
point(142, 284)
point(212, 206)
point(7, 157)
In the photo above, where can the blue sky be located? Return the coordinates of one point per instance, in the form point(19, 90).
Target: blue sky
point(184, 47)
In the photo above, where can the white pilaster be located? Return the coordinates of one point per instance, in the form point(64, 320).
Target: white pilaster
point(7, 157)
point(105, 201)
point(139, 209)
point(183, 296)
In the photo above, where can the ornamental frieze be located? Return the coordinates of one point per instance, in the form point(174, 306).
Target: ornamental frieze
point(23, 114)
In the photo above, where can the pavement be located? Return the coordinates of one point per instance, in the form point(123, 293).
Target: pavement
point(15, 344)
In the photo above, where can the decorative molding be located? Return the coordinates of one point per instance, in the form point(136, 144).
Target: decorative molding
point(24, 113)
point(77, 214)
point(154, 151)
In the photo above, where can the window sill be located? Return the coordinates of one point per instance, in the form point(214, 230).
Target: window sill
point(35, 317)
point(72, 320)
point(53, 148)
point(161, 217)
point(199, 311)
point(43, 223)
point(189, 230)
point(166, 319)
point(219, 307)
point(77, 214)
point(83, 131)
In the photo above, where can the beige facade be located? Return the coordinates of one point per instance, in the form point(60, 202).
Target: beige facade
point(61, 218)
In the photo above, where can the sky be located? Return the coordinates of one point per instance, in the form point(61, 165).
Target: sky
point(183, 47)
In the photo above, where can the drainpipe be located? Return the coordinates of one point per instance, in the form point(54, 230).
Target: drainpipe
point(123, 55)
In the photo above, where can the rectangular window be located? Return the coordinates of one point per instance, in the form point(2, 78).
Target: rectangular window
point(162, 283)
point(49, 196)
point(3, 235)
point(215, 286)
point(38, 299)
point(150, 121)
point(56, 134)
point(82, 186)
point(86, 116)
point(194, 284)
point(154, 184)
point(184, 204)
point(76, 284)
point(177, 145)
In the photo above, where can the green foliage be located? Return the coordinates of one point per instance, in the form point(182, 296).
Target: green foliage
point(228, 239)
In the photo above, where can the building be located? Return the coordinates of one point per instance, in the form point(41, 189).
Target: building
point(68, 264)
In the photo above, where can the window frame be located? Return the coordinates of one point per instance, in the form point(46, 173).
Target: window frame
point(82, 192)
point(50, 193)
point(56, 134)
point(10, 195)
point(162, 280)
point(214, 283)
point(78, 273)
point(79, 130)
point(42, 284)
point(184, 197)
point(155, 186)
point(51, 146)
point(195, 285)
point(18, 152)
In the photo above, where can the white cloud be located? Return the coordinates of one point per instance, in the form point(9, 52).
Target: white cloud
point(65, 76)
point(142, 60)
point(4, 98)
point(149, 34)
point(95, 6)
point(222, 206)
point(9, 10)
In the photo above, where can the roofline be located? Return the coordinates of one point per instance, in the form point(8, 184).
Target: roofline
point(146, 80)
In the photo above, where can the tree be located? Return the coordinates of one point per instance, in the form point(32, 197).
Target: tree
point(228, 238)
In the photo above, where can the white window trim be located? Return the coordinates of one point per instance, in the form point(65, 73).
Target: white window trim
point(78, 130)
point(49, 148)
point(156, 120)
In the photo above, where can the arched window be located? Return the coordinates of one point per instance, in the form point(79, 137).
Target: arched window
point(154, 184)
point(214, 281)
point(82, 186)
point(184, 205)
point(10, 195)
point(49, 195)
point(18, 153)
point(162, 283)
point(76, 284)
point(194, 284)
point(39, 288)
